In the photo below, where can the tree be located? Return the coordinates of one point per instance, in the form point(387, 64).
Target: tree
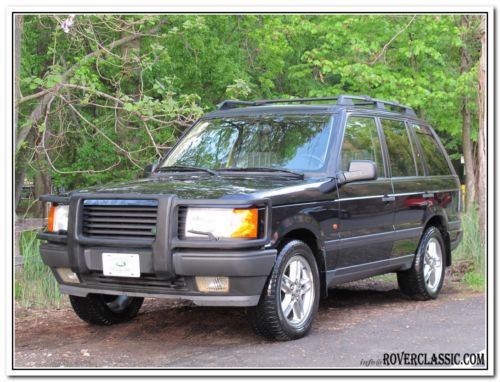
point(81, 91)
point(469, 161)
point(107, 94)
point(481, 150)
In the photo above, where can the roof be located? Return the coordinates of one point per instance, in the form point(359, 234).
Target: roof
point(240, 108)
point(286, 109)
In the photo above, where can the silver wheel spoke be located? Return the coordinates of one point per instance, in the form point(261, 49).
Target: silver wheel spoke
point(427, 258)
point(306, 287)
point(287, 305)
point(286, 285)
point(432, 279)
point(431, 248)
point(297, 271)
point(427, 269)
point(428, 275)
point(298, 309)
point(294, 269)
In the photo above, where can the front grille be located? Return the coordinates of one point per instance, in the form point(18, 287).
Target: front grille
point(181, 223)
point(97, 279)
point(120, 218)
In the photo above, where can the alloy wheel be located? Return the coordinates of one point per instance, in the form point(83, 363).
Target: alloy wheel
point(433, 264)
point(297, 291)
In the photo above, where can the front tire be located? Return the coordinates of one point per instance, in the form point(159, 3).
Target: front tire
point(290, 300)
point(101, 309)
point(425, 279)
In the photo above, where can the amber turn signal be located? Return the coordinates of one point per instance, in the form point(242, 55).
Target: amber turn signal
point(249, 223)
point(50, 225)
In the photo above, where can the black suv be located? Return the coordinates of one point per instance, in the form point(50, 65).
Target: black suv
point(265, 205)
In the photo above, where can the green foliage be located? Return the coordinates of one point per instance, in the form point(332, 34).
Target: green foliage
point(35, 285)
point(131, 102)
point(475, 280)
point(472, 251)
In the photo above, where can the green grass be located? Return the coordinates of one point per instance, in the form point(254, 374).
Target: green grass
point(35, 285)
point(475, 280)
point(471, 252)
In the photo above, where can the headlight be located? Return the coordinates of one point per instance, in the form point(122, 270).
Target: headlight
point(222, 223)
point(58, 218)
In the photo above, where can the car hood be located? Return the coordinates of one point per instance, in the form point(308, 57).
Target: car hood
point(203, 186)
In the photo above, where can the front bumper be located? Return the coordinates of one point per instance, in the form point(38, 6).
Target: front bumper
point(247, 271)
point(169, 263)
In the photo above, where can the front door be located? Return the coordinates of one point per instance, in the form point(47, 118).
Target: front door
point(366, 208)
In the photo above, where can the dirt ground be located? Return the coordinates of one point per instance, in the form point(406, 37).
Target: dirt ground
point(358, 321)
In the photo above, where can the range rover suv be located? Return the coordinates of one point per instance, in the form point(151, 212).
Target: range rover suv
point(265, 205)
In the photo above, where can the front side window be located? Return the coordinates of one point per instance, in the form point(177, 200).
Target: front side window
point(294, 142)
point(434, 156)
point(361, 142)
point(399, 148)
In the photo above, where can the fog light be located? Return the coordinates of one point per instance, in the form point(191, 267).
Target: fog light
point(68, 276)
point(213, 284)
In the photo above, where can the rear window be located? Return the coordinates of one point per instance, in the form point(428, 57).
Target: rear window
point(433, 154)
point(399, 147)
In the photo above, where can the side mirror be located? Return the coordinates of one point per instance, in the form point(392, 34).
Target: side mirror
point(148, 170)
point(360, 170)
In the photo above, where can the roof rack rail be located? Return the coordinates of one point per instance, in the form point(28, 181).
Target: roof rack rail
point(343, 99)
point(230, 104)
point(347, 100)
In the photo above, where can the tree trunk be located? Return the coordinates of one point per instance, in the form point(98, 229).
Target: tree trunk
point(25, 150)
point(18, 31)
point(22, 160)
point(41, 186)
point(481, 145)
point(467, 146)
point(130, 75)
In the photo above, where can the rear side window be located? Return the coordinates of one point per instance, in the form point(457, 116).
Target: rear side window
point(361, 142)
point(433, 155)
point(399, 147)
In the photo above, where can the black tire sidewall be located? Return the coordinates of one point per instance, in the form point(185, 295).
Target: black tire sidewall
point(292, 249)
point(430, 233)
point(94, 310)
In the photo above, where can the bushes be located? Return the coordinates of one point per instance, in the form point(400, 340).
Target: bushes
point(35, 285)
point(472, 251)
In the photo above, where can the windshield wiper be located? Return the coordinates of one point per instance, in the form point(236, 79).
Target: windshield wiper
point(185, 168)
point(263, 169)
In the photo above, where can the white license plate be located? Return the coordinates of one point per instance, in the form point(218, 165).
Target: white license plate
point(121, 264)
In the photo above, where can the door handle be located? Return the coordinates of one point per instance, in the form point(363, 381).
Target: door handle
point(428, 195)
point(387, 199)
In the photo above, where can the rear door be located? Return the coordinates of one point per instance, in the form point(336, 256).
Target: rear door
point(441, 186)
point(366, 210)
point(408, 182)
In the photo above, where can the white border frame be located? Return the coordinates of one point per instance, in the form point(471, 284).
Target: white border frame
point(224, 6)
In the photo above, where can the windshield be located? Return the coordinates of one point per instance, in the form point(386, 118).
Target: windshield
point(294, 142)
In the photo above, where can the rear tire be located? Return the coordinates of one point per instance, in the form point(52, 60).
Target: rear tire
point(425, 278)
point(290, 299)
point(101, 309)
